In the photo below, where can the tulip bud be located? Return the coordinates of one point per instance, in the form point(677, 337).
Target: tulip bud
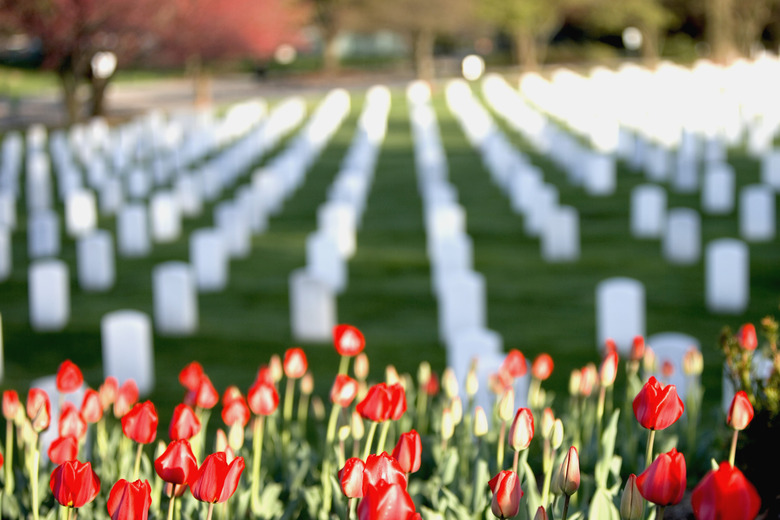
point(344, 390)
point(361, 366)
point(348, 340)
point(10, 405)
point(693, 362)
point(423, 374)
point(632, 504)
point(480, 422)
point(541, 514)
point(472, 381)
point(391, 375)
point(589, 377)
point(236, 436)
point(318, 408)
point(747, 336)
point(548, 419)
point(275, 368)
point(575, 380)
point(522, 431)
point(456, 407)
point(569, 474)
point(358, 430)
point(514, 363)
point(447, 425)
point(608, 371)
point(740, 412)
point(221, 442)
point(408, 451)
point(449, 383)
point(506, 494)
point(343, 433)
point(556, 438)
point(610, 346)
point(542, 367)
point(307, 384)
point(506, 406)
point(638, 348)
point(648, 362)
point(295, 363)
point(351, 477)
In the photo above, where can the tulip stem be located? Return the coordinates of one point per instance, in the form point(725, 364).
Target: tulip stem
point(516, 461)
point(170, 504)
point(565, 507)
point(289, 396)
point(257, 446)
point(659, 512)
point(343, 364)
point(211, 511)
point(9, 457)
point(500, 451)
point(369, 440)
point(649, 452)
point(599, 418)
point(349, 508)
point(380, 447)
point(533, 393)
point(35, 462)
point(332, 423)
point(137, 466)
point(733, 450)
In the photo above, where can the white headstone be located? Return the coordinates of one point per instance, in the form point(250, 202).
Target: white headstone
point(6, 254)
point(648, 211)
point(188, 195)
point(209, 259)
point(682, 239)
point(95, 258)
point(462, 304)
point(757, 213)
point(727, 274)
point(338, 220)
point(770, 169)
point(324, 261)
point(7, 209)
point(560, 238)
point(470, 345)
point(717, 193)
point(671, 347)
point(139, 183)
point(43, 234)
point(620, 312)
point(165, 217)
point(312, 308)
point(657, 162)
point(175, 299)
point(599, 174)
point(686, 176)
point(524, 187)
point(443, 221)
point(133, 231)
point(234, 226)
point(80, 213)
point(544, 204)
point(126, 336)
point(49, 294)
point(111, 196)
point(453, 252)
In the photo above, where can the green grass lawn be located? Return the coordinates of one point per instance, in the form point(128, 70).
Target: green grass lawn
point(536, 307)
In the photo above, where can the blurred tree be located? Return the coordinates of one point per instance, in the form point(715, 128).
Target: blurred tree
point(333, 17)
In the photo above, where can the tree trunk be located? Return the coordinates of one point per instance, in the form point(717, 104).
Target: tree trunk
point(423, 54)
point(70, 100)
point(650, 45)
point(525, 50)
point(201, 82)
point(97, 102)
point(720, 30)
point(331, 61)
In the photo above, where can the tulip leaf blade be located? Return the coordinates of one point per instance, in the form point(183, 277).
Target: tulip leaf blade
point(605, 462)
point(602, 507)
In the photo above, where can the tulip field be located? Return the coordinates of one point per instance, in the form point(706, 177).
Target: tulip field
point(246, 421)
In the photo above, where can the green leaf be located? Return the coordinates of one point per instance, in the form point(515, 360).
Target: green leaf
point(601, 507)
point(450, 468)
point(531, 489)
point(481, 479)
point(607, 451)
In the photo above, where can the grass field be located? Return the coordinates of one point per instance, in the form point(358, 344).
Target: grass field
point(535, 306)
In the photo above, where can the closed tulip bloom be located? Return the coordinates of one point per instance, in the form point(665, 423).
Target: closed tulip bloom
point(397, 401)
point(71, 423)
point(348, 340)
point(740, 412)
point(386, 501)
point(108, 392)
point(184, 424)
point(190, 375)
point(514, 363)
point(632, 505)
point(360, 367)
point(10, 404)
point(431, 388)
point(569, 473)
point(542, 366)
point(126, 397)
point(480, 422)
point(382, 467)
point(408, 451)
point(295, 363)
point(230, 394)
point(91, 408)
point(129, 500)
point(343, 391)
point(236, 412)
point(63, 449)
point(506, 494)
point(657, 407)
point(351, 478)
point(74, 484)
point(217, 480)
point(177, 464)
point(638, 348)
point(205, 395)
point(375, 406)
point(522, 431)
point(262, 398)
point(747, 337)
point(38, 409)
point(693, 362)
point(507, 404)
point(548, 419)
point(541, 514)
point(140, 423)
point(609, 368)
point(663, 482)
point(69, 378)
point(590, 376)
point(725, 494)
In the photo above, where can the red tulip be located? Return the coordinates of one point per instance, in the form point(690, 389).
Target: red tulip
point(129, 501)
point(609, 368)
point(126, 397)
point(397, 401)
point(266, 375)
point(740, 412)
point(38, 409)
point(432, 386)
point(10, 404)
point(589, 376)
point(217, 480)
point(408, 451)
point(506, 494)
point(542, 366)
point(725, 494)
point(63, 449)
point(351, 477)
point(569, 473)
point(382, 467)
point(610, 346)
point(74, 484)
point(375, 406)
point(747, 337)
point(177, 464)
point(522, 431)
point(514, 363)
point(69, 378)
point(348, 340)
point(657, 407)
point(184, 424)
point(295, 364)
point(91, 408)
point(262, 398)
point(230, 394)
point(386, 501)
point(236, 411)
point(71, 423)
point(541, 514)
point(638, 348)
point(205, 395)
point(108, 392)
point(190, 375)
point(663, 482)
point(140, 423)
point(344, 390)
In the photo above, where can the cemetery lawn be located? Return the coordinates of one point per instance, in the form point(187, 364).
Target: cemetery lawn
point(536, 307)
